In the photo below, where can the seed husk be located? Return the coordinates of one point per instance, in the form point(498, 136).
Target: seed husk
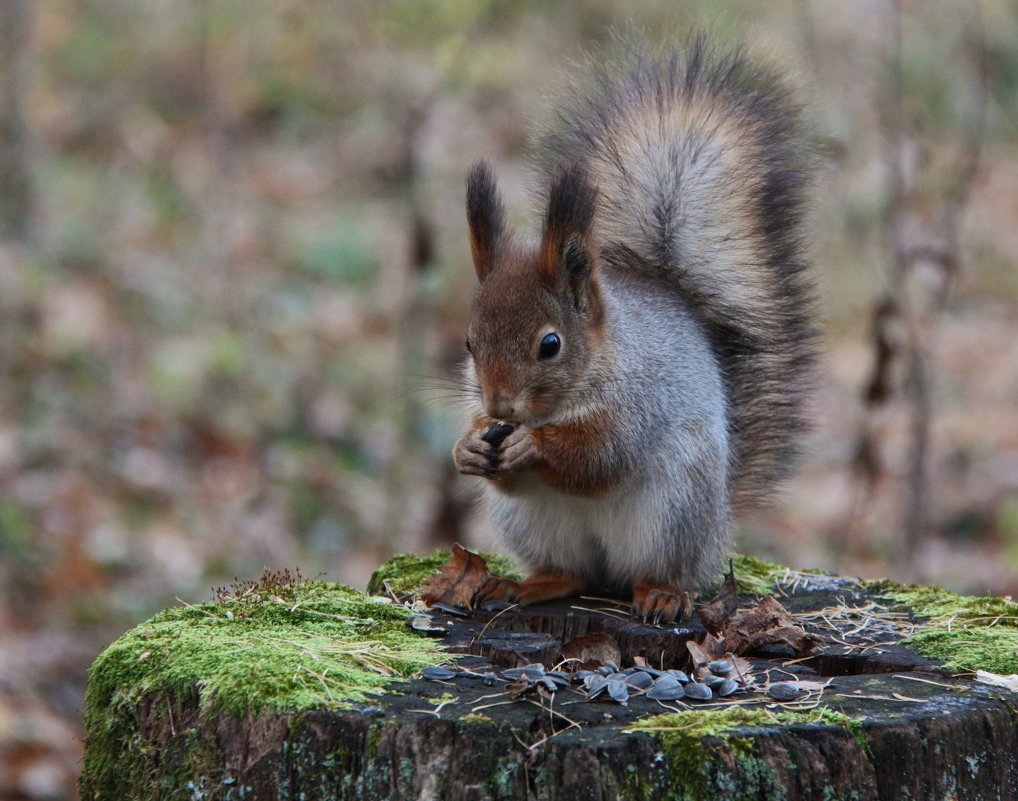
point(425, 624)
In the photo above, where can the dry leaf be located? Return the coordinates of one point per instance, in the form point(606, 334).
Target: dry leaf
point(719, 611)
point(742, 669)
point(697, 654)
point(458, 580)
point(768, 623)
point(597, 648)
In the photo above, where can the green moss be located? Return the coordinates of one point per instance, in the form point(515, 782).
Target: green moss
point(933, 602)
point(993, 649)
point(406, 574)
point(691, 741)
point(760, 577)
point(310, 645)
point(968, 632)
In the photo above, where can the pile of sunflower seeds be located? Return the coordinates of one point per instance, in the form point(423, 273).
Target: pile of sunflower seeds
point(609, 682)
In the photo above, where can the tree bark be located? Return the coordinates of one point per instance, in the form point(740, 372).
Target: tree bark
point(921, 732)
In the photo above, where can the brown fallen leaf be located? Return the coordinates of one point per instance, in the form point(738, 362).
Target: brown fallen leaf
point(593, 650)
point(768, 623)
point(458, 580)
point(719, 611)
point(735, 632)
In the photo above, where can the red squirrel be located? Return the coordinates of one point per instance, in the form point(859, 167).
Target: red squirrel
point(640, 369)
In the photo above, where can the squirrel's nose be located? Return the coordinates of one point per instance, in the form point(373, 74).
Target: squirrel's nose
point(500, 407)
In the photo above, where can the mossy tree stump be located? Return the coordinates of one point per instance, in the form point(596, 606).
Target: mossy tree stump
point(270, 694)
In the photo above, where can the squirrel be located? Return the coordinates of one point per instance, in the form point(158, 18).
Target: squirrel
point(641, 369)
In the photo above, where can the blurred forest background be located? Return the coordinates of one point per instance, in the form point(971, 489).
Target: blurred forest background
point(234, 258)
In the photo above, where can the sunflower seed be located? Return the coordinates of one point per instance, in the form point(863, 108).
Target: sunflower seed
point(728, 687)
point(533, 671)
point(597, 686)
point(496, 433)
point(785, 691)
point(618, 691)
point(438, 673)
point(667, 681)
point(698, 691)
point(641, 681)
point(719, 666)
point(666, 692)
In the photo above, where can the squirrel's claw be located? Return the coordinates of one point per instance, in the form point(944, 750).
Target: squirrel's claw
point(544, 585)
point(497, 588)
point(475, 457)
point(518, 451)
point(657, 605)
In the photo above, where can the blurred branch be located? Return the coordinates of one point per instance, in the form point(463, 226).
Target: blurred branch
point(15, 180)
point(926, 251)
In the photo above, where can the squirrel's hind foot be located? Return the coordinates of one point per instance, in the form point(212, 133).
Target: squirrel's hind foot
point(654, 604)
point(544, 585)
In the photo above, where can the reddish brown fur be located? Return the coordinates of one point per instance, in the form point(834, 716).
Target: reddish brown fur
point(570, 457)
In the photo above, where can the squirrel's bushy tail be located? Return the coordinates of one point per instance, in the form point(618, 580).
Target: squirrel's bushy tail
point(701, 167)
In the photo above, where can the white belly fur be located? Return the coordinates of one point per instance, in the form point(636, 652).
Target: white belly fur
point(615, 539)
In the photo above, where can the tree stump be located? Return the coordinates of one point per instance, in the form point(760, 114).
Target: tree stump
point(891, 722)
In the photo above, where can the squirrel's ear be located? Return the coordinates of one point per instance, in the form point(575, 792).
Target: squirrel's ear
point(567, 257)
point(485, 217)
point(577, 274)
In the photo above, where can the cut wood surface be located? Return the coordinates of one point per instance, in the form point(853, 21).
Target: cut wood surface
point(875, 719)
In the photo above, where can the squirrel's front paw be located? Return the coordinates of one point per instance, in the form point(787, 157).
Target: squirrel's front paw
point(518, 451)
point(474, 456)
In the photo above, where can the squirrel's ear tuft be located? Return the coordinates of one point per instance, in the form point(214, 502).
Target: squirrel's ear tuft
point(567, 257)
point(485, 217)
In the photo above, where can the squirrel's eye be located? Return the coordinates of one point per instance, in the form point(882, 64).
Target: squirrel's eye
point(549, 346)
point(469, 349)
